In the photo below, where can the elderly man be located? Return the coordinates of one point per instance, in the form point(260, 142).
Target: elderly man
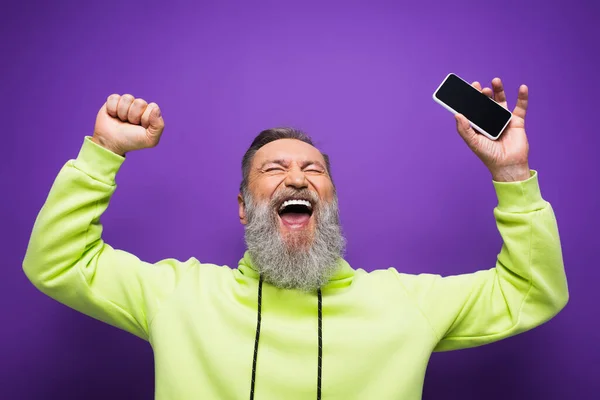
point(294, 320)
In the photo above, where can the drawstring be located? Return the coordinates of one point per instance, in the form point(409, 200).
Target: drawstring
point(258, 319)
point(256, 339)
point(320, 366)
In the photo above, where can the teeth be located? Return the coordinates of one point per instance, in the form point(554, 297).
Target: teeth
point(295, 202)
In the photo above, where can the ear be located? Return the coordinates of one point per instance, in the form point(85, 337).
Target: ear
point(242, 209)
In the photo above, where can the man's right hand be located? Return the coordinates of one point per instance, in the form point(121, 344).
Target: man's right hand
point(125, 123)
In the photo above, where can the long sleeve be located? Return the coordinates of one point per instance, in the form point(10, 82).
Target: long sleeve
point(526, 288)
point(67, 259)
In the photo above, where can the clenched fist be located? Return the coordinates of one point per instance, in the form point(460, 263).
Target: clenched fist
point(125, 123)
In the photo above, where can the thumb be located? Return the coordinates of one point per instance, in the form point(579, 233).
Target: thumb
point(156, 124)
point(466, 131)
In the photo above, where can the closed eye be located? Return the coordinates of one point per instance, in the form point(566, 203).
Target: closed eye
point(274, 169)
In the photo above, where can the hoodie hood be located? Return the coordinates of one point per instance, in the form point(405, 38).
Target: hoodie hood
point(341, 278)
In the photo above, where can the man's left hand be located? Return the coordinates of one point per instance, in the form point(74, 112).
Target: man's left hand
point(506, 158)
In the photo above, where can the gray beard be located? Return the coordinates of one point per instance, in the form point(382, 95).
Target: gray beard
point(301, 260)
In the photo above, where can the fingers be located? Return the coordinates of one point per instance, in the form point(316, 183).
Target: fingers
point(465, 130)
point(152, 119)
point(111, 105)
point(145, 120)
point(522, 101)
point(487, 91)
point(156, 122)
point(499, 95)
point(146, 114)
point(129, 109)
point(123, 107)
point(136, 110)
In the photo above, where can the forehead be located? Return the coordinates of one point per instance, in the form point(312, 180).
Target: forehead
point(287, 149)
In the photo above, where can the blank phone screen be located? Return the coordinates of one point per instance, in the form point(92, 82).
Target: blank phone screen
point(477, 107)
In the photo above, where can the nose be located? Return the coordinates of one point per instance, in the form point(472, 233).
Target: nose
point(296, 179)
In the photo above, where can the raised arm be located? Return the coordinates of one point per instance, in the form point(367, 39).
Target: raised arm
point(526, 288)
point(528, 284)
point(67, 259)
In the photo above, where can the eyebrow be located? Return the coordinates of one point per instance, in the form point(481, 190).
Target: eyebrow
point(286, 163)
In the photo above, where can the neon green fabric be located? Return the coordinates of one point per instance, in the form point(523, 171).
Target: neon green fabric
point(379, 328)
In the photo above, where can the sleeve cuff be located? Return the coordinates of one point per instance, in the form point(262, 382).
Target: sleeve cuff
point(98, 162)
point(521, 196)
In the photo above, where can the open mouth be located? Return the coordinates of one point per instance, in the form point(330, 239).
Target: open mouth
point(295, 213)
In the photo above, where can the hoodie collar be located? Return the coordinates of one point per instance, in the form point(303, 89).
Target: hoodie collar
point(341, 278)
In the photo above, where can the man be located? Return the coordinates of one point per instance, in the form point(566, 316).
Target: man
point(294, 320)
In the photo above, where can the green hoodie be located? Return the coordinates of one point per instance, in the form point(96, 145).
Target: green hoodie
point(378, 328)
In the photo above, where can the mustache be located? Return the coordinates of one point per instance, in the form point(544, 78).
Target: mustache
point(288, 193)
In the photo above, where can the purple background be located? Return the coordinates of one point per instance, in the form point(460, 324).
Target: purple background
point(358, 76)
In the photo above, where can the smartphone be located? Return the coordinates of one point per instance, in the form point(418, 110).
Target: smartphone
point(485, 115)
